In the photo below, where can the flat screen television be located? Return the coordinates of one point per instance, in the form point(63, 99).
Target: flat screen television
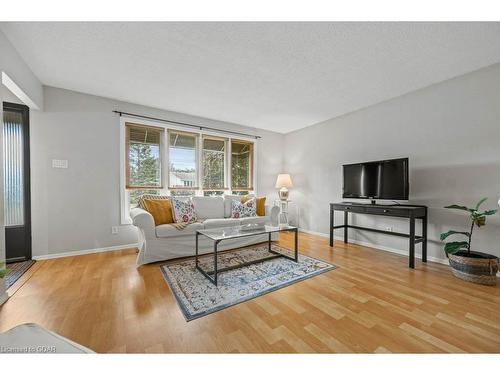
point(383, 179)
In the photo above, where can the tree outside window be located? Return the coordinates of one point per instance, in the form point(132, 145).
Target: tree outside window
point(144, 161)
point(241, 166)
point(214, 166)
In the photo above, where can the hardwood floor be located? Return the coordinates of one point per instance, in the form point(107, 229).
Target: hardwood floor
point(371, 303)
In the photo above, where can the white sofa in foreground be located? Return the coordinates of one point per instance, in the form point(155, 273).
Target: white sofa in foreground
point(164, 242)
point(30, 338)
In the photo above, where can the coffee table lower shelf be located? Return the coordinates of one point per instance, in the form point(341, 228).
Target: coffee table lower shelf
point(212, 275)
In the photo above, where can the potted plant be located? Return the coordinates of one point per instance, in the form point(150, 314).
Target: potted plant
point(474, 266)
point(3, 271)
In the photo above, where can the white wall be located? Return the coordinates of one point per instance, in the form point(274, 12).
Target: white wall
point(451, 133)
point(75, 208)
point(12, 64)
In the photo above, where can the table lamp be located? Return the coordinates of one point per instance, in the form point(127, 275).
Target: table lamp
point(283, 182)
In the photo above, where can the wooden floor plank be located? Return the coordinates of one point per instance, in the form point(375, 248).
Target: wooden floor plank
point(371, 303)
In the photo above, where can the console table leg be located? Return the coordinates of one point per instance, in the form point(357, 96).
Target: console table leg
point(331, 226)
point(424, 238)
point(412, 243)
point(346, 222)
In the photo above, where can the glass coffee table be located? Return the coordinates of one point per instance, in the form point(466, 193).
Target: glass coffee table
point(220, 234)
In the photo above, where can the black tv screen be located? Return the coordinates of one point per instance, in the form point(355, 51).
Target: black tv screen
point(383, 179)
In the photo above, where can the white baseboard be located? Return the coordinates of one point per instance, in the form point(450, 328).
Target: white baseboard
point(376, 246)
point(84, 252)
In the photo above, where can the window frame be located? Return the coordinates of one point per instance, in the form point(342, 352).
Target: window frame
point(252, 166)
point(197, 159)
point(128, 126)
point(227, 159)
point(164, 190)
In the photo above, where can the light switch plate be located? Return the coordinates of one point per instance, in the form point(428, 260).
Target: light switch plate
point(58, 163)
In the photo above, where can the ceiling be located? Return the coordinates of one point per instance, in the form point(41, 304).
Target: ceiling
point(274, 76)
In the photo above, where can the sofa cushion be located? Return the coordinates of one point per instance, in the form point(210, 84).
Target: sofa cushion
point(255, 220)
point(140, 200)
point(183, 211)
point(160, 209)
point(168, 230)
point(240, 210)
point(260, 204)
point(219, 223)
point(228, 202)
point(209, 207)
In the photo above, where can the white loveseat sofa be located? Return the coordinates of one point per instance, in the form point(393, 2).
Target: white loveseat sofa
point(164, 242)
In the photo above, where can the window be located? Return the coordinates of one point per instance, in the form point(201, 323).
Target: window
point(214, 165)
point(143, 157)
point(183, 161)
point(135, 194)
point(241, 166)
point(183, 193)
point(170, 161)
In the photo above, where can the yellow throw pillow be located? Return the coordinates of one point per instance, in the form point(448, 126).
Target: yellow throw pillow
point(161, 209)
point(260, 204)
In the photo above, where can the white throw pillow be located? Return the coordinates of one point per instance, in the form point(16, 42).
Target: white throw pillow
point(228, 199)
point(183, 210)
point(239, 210)
point(209, 207)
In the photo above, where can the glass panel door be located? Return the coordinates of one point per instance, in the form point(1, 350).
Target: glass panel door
point(16, 183)
point(13, 159)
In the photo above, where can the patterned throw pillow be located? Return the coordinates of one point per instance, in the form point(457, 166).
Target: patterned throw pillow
point(239, 210)
point(260, 204)
point(183, 211)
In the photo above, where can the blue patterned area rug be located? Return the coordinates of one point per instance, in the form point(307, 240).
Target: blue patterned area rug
point(16, 270)
point(198, 297)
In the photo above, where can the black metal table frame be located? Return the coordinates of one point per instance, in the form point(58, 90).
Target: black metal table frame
point(413, 238)
point(216, 270)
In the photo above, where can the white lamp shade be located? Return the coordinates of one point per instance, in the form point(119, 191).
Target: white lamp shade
point(284, 181)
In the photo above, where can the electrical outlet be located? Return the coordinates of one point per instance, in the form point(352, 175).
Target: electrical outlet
point(114, 230)
point(389, 229)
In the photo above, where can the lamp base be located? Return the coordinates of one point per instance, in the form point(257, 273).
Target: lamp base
point(283, 194)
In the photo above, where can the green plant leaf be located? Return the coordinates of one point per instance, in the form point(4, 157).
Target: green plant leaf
point(451, 232)
point(489, 212)
point(453, 247)
point(3, 270)
point(462, 208)
point(480, 203)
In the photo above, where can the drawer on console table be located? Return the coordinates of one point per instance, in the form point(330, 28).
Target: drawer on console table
point(400, 211)
point(348, 208)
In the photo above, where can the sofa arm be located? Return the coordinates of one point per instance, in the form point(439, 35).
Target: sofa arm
point(144, 221)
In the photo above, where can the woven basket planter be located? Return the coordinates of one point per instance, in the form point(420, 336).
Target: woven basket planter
point(480, 268)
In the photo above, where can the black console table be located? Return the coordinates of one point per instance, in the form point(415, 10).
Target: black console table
point(411, 212)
